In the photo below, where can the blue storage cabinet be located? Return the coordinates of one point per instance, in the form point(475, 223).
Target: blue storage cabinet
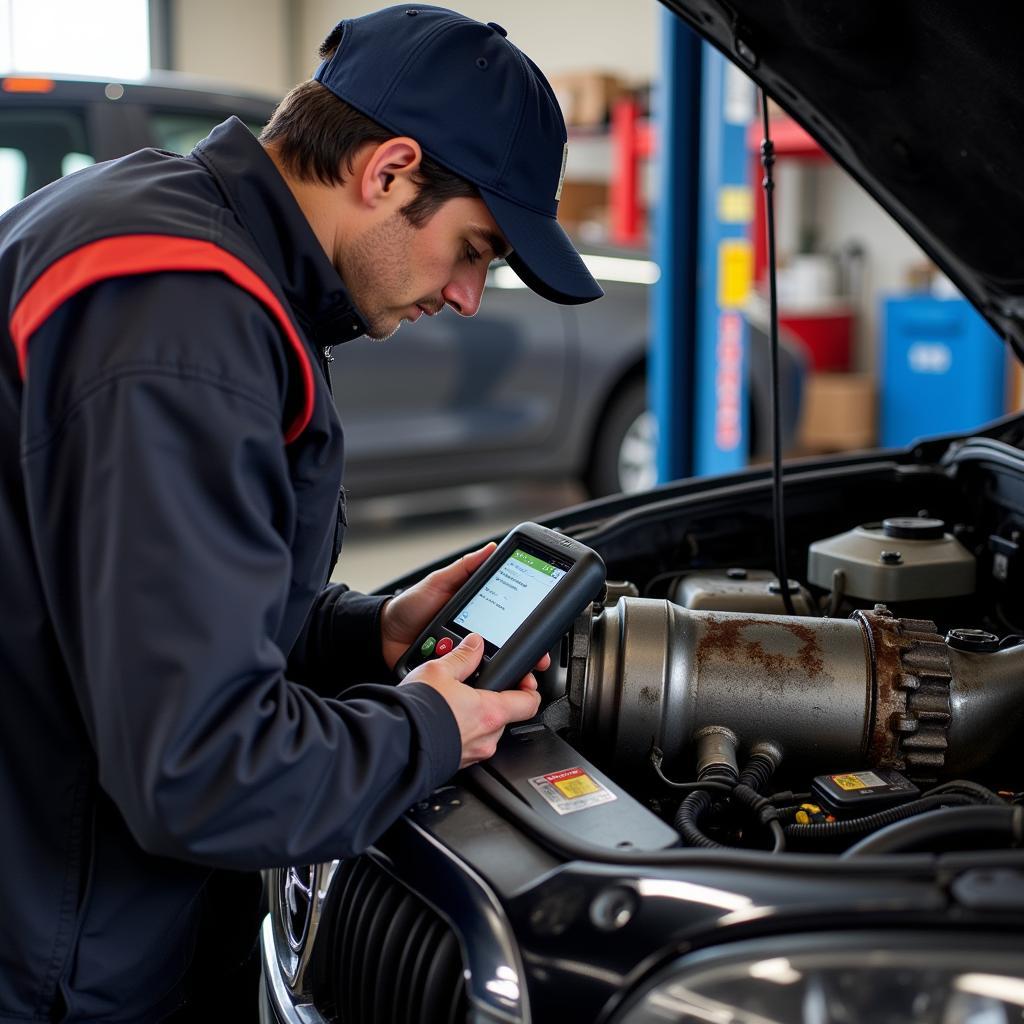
point(943, 369)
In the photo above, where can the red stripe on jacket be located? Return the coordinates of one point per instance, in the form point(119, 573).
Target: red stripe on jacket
point(128, 255)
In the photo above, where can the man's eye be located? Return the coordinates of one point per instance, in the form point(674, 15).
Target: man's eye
point(471, 254)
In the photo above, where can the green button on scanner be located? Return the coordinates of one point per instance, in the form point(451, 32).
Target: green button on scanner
point(427, 647)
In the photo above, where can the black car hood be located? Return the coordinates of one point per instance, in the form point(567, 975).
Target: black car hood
point(922, 101)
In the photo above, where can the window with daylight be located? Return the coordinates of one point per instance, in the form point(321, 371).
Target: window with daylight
point(101, 38)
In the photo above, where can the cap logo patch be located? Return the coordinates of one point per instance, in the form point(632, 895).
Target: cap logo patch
point(561, 173)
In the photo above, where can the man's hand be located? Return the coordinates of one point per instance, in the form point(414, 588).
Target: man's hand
point(406, 615)
point(481, 715)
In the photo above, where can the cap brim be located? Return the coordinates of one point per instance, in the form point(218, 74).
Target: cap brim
point(542, 254)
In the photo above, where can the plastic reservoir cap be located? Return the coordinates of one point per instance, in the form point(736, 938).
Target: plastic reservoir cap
point(913, 528)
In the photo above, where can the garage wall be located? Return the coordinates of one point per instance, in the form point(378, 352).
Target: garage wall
point(269, 45)
point(245, 43)
point(559, 35)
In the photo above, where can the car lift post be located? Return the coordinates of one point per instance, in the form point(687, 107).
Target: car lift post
point(676, 114)
point(697, 383)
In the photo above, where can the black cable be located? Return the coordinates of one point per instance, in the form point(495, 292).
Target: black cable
point(980, 793)
point(745, 795)
point(768, 161)
point(954, 821)
point(689, 820)
point(872, 822)
point(787, 796)
point(715, 785)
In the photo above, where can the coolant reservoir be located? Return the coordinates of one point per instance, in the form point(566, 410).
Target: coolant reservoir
point(909, 558)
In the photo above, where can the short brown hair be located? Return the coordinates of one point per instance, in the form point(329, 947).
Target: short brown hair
point(316, 134)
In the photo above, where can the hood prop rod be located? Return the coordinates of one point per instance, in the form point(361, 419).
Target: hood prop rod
point(768, 162)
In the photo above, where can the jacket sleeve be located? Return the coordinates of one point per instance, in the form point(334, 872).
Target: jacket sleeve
point(160, 504)
point(340, 643)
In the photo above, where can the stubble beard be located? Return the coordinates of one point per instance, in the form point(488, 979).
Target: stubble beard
point(375, 266)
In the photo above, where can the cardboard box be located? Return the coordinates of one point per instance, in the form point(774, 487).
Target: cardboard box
point(582, 201)
point(838, 413)
point(586, 97)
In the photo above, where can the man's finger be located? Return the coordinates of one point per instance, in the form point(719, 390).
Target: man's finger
point(451, 577)
point(464, 659)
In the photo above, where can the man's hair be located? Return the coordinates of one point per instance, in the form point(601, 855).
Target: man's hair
point(316, 134)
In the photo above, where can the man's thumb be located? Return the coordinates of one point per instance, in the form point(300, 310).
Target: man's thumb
point(463, 660)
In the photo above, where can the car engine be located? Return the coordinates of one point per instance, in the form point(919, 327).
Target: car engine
point(889, 695)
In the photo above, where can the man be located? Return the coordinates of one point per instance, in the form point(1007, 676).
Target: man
point(171, 461)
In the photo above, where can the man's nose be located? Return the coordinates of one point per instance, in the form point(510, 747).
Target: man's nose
point(464, 293)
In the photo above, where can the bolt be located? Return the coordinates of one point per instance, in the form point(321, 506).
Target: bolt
point(613, 908)
point(891, 558)
point(736, 574)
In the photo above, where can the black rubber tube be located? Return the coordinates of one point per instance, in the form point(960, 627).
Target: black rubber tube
point(687, 822)
point(942, 824)
point(757, 771)
point(695, 807)
point(873, 822)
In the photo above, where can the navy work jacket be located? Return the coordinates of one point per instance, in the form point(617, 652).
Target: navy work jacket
point(170, 651)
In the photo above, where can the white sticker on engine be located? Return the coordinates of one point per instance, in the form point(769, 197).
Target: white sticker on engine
point(571, 789)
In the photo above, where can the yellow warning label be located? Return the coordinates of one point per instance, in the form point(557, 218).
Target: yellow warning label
point(735, 272)
point(850, 782)
point(735, 204)
point(581, 785)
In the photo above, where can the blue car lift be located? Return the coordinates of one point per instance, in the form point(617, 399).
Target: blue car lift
point(697, 385)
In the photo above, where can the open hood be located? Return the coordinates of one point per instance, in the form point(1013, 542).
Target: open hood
point(921, 101)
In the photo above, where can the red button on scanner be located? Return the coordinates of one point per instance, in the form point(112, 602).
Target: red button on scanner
point(444, 645)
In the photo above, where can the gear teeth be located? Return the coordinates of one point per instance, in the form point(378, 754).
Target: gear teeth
point(915, 661)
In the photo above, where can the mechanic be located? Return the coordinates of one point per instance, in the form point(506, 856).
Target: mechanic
point(172, 464)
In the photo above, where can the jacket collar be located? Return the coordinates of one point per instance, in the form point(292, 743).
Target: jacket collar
point(258, 195)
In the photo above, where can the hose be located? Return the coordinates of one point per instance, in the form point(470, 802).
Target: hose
point(746, 793)
point(954, 821)
point(872, 822)
point(695, 807)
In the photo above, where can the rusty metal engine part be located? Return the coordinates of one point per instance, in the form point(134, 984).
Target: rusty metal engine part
point(739, 590)
point(901, 559)
point(832, 693)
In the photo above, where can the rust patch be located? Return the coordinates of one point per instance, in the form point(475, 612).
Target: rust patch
point(809, 656)
point(723, 639)
point(890, 700)
point(649, 697)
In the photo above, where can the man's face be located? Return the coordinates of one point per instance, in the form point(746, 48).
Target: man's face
point(395, 271)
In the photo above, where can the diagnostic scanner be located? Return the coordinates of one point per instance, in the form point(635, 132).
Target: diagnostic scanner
point(522, 600)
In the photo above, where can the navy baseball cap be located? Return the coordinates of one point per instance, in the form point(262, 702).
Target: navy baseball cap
point(480, 107)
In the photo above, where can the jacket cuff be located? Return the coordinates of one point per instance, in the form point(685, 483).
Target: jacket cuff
point(340, 644)
point(435, 728)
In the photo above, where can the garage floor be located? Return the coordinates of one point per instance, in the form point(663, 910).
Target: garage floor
point(388, 537)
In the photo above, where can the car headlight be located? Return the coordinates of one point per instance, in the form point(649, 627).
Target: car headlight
point(881, 977)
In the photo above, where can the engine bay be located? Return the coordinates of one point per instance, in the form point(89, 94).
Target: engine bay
point(883, 717)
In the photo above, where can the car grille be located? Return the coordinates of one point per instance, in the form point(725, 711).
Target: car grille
point(392, 960)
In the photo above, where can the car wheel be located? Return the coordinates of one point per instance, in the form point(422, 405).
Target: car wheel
point(624, 450)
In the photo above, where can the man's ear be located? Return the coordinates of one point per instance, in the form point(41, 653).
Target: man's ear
point(388, 171)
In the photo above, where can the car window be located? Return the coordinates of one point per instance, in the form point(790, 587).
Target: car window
point(179, 133)
point(38, 146)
